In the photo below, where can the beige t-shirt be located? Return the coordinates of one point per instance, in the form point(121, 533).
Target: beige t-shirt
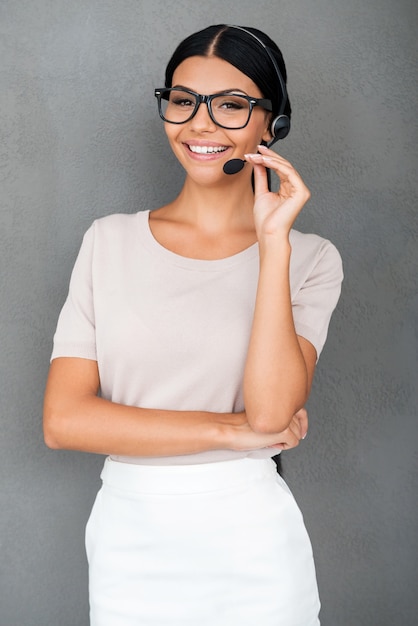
point(170, 332)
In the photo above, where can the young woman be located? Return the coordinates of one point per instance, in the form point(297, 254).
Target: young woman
point(201, 323)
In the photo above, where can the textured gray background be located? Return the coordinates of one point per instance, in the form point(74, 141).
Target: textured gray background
point(80, 138)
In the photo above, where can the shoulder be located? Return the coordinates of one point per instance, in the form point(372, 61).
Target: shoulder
point(309, 244)
point(119, 222)
point(316, 275)
point(115, 227)
point(309, 250)
point(314, 260)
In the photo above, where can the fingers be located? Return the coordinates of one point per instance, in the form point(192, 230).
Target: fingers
point(246, 439)
point(290, 181)
point(289, 438)
point(302, 417)
point(260, 179)
point(271, 159)
point(259, 164)
point(295, 432)
point(260, 173)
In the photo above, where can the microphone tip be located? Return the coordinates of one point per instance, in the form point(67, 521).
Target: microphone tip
point(233, 166)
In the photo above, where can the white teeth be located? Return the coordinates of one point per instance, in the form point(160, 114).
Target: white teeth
point(207, 149)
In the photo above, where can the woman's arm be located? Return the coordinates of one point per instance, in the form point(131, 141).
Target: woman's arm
point(75, 418)
point(280, 365)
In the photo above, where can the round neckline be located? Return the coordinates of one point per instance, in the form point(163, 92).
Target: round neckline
point(189, 263)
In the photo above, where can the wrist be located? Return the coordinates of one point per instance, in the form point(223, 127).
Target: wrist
point(224, 430)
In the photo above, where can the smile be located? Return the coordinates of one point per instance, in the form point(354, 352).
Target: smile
point(207, 149)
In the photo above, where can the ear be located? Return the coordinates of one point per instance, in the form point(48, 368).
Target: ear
point(267, 136)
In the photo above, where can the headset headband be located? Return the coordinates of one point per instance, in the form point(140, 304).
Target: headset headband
point(273, 61)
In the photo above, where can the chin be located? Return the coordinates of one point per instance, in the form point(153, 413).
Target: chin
point(209, 178)
point(206, 175)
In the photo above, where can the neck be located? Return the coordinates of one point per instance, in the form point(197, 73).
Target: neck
point(223, 208)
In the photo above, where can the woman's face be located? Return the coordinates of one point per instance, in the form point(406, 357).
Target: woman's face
point(210, 75)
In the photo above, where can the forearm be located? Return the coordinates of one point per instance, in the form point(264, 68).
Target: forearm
point(92, 424)
point(75, 418)
point(276, 378)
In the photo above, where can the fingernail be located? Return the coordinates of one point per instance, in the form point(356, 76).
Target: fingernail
point(304, 436)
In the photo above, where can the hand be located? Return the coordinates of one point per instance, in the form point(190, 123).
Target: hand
point(244, 438)
point(275, 213)
point(297, 430)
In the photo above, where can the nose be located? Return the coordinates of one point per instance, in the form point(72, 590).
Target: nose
point(202, 121)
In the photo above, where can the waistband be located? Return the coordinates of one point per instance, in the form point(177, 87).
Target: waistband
point(183, 479)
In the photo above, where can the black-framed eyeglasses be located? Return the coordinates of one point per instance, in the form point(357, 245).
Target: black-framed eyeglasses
point(227, 110)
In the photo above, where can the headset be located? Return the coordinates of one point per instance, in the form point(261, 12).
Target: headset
point(280, 126)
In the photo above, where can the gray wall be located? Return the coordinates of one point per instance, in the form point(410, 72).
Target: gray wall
point(80, 138)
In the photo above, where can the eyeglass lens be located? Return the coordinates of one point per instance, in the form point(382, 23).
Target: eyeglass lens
point(230, 110)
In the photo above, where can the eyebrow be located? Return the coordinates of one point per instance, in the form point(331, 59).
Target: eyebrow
point(237, 90)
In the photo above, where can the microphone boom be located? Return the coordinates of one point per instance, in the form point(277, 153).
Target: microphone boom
point(233, 166)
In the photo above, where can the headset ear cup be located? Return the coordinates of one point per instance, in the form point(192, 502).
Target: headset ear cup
point(280, 127)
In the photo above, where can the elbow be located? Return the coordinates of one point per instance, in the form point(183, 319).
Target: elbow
point(51, 442)
point(52, 432)
point(268, 422)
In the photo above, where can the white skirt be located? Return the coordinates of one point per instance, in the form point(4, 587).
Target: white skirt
point(216, 544)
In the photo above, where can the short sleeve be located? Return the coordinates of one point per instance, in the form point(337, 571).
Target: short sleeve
point(317, 296)
point(75, 335)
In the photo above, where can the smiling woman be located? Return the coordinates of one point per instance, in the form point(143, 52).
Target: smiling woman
point(225, 124)
point(201, 323)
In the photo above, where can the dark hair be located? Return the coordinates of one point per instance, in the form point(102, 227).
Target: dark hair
point(243, 52)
